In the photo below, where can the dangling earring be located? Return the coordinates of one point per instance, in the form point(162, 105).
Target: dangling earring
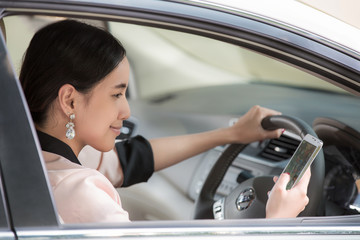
point(70, 132)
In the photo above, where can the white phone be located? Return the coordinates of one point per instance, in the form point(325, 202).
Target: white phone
point(302, 158)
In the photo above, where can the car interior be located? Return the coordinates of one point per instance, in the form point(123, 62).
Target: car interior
point(184, 83)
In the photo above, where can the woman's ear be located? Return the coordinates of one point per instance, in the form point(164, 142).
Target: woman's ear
point(67, 95)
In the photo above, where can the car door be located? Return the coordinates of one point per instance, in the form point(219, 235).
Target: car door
point(28, 196)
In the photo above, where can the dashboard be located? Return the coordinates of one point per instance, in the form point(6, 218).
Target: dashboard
point(341, 184)
point(268, 157)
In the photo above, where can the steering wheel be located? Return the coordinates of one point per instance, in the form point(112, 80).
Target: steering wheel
point(248, 200)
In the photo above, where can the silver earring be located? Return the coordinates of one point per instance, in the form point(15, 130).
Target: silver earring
point(70, 132)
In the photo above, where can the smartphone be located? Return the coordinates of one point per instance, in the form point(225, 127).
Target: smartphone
point(302, 158)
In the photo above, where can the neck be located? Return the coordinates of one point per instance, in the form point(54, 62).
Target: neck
point(72, 143)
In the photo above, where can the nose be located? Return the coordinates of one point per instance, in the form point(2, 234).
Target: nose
point(124, 112)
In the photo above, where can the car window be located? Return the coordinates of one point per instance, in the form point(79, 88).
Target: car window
point(192, 68)
point(181, 72)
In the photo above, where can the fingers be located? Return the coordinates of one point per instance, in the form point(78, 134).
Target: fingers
point(275, 178)
point(284, 203)
point(275, 133)
point(260, 113)
point(283, 180)
point(263, 112)
point(248, 127)
point(270, 112)
point(266, 111)
point(304, 182)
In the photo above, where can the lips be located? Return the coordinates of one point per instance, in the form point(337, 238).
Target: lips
point(116, 130)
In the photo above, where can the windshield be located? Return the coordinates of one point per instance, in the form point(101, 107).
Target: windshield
point(181, 60)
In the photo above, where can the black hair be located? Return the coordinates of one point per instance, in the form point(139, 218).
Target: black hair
point(66, 52)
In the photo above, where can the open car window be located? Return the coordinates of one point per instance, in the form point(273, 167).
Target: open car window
point(172, 69)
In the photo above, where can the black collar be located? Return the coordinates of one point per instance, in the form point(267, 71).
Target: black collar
point(54, 145)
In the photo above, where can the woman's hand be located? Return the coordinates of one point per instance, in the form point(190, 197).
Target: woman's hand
point(248, 128)
point(284, 203)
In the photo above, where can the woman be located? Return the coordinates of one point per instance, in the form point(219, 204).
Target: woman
point(75, 78)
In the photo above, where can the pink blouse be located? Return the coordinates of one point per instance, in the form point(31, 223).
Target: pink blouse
point(86, 194)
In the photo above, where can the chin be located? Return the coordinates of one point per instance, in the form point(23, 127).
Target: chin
point(105, 147)
point(109, 148)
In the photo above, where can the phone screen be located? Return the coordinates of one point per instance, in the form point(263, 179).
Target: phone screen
point(303, 155)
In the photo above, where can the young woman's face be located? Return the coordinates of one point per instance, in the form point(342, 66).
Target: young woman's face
point(100, 113)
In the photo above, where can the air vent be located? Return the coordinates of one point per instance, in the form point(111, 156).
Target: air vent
point(280, 149)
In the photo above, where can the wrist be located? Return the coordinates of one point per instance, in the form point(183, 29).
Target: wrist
point(229, 135)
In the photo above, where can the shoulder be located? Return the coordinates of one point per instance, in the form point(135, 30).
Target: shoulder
point(82, 183)
point(83, 194)
point(63, 172)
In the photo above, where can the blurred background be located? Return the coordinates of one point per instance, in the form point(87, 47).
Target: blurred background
point(345, 10)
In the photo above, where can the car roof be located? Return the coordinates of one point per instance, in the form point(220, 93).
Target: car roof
point(297, 15)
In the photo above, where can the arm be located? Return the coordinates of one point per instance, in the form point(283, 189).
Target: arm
point(171, 150)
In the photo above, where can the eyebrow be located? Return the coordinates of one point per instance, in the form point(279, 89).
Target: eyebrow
point(121, 85)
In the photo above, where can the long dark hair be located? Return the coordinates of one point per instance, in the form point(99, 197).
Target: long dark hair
point(66, 52)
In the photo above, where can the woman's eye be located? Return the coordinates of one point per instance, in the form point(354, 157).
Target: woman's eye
point(117, 95)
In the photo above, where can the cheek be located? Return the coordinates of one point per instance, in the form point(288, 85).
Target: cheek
point(96, 121)
point(97, 133)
